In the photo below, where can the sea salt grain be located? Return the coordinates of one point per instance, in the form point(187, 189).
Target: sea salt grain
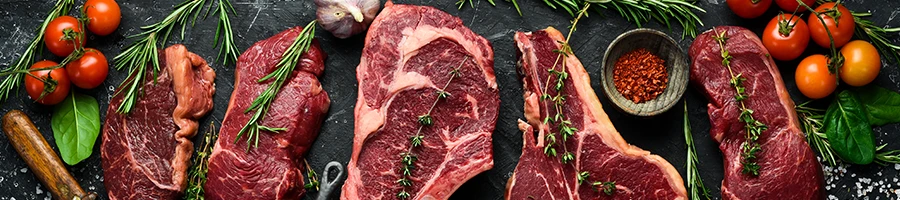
point(897, 166)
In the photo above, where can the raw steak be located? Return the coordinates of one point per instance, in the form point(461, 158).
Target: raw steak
point(146, 153)
point(788, 168)
point(409, 54)
point(598, 148)
point(274, 169)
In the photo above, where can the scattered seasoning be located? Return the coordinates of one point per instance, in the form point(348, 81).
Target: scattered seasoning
point(640, 76)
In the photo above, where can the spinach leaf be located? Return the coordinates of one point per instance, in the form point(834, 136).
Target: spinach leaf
point(76, 124)
point(883, 105)
point(848, 129)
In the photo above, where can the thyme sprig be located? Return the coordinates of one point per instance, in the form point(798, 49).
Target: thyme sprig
point(607, 187)
point(408, 158)
point(145, 51)
point(312, 180)
point(665, 12)
point(813, 122)
point(14, 80)
point(754, 128)
point(695, 182)
point(199, 168)
point(289, 60)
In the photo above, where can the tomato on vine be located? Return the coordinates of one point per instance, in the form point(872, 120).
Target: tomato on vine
point(813, 77)
point(862, 63)
point(786, 37)
point(90, 70)
point(839, 21)
point(103, 16)
point(62, 34)
point(792, 5)
point(749, 9)
point(47, 94)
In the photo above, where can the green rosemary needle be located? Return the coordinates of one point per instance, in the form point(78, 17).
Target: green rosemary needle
point(462, 3)
point(224, 33)
point(640, 12)
point(14, 80)
point(695, 182)
point(289, 60)
point(813, 123)
point(877, 35)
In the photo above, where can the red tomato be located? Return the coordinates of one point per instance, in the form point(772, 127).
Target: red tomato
point(861, 63)
point(35, 87)
point(104, 16)
point(791, 5)
point(55, 37)
point(90, 71)
point(749, 9)
point(813, 78)
point(841, 29)
point(786, 37)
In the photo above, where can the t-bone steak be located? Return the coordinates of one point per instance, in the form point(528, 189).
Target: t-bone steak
point(788, 167)
point(409, 56)
point(598, 148)
point(274, 169)
point(145, 154)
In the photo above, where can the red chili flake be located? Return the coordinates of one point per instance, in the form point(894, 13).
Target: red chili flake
point(640, 76)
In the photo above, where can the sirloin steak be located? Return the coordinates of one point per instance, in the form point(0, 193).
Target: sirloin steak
point(145, 154)
point(409, 55)
point(788, 167)
point(598, 148)
point(274, 169)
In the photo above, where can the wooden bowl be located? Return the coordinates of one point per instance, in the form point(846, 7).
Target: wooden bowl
point(660, 45)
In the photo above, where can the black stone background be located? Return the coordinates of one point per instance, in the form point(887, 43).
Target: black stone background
point(260, 19)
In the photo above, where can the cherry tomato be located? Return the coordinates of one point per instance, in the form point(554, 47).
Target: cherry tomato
point(749, 9)
point(35, 87)
point(90, 71)
point(103, 15)
point(813, 77)
point(841, 25)
point(55, 36)
point(791, 5)
point(861, 63)
point(786, 37)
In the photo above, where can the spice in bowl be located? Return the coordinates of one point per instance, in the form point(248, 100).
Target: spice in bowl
point(640, 76)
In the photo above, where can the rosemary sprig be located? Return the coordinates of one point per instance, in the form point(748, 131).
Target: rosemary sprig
point(813, 122)
point(462, 3)
point(289, 60)
point(197, 174)
point(641, 11)
point(408, 159)
point(14, 80)
point(224, 33)
point(145, 51)
point(695, 182)
point(878, 35)
point(754, 128)
point(884, 157)
point(312, 180)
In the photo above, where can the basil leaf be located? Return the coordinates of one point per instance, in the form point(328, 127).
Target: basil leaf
point(76, 124)
point(883, 105)
point(848, 129)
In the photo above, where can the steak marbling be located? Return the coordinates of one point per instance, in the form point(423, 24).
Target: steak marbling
point(788, 167)
point(409, 54)
point(597, 146)
point(274, 169)
point(145, 154)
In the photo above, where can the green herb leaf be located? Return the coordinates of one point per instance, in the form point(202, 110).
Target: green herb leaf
point(848, 129)
point(882, 105)
point(76, 124)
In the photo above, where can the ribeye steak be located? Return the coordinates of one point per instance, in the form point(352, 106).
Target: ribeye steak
point(146, 153)
point(598, 148)
point(409, 56)
point(274, 169)
point(788, 167)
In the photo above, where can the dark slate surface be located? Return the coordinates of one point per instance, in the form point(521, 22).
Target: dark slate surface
point(260, 19)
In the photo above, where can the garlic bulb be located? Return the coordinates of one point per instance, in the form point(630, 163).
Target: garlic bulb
point(345, 18)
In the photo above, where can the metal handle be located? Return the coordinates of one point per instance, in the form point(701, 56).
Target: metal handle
point(329, 185)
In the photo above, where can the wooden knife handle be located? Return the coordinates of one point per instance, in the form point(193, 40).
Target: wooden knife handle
point(41, 159)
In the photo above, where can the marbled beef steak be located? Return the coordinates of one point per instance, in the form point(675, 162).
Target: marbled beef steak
point(409, 55)
point(274, 169)
point(146, 153)
point(788, 167)
point(598, 148)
